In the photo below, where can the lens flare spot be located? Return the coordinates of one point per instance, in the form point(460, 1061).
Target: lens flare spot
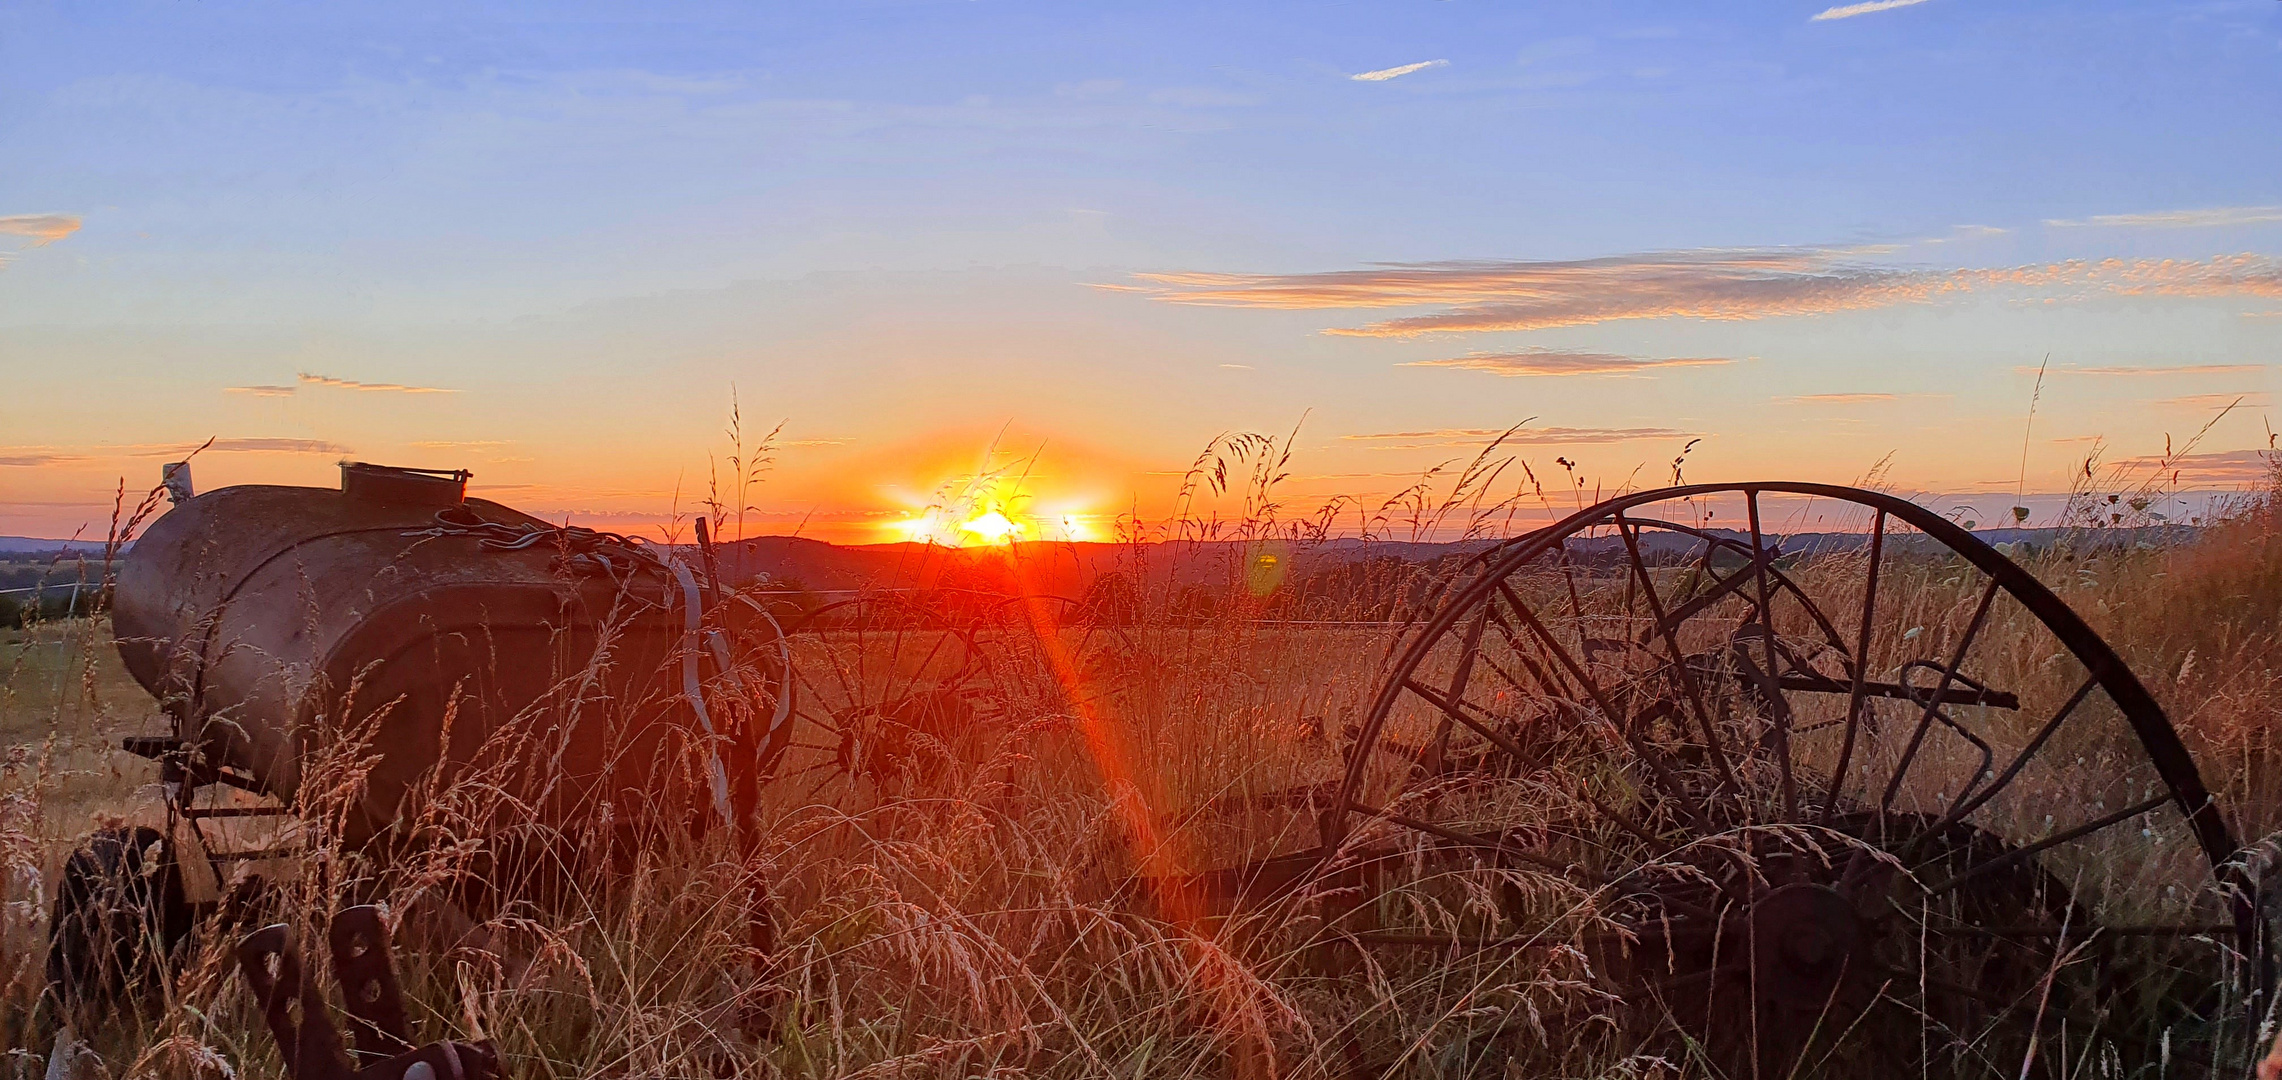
point(994, 527)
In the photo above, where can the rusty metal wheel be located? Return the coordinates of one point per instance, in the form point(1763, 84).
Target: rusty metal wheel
point(1867, 797)
point(1049, 660)
point(883, 686)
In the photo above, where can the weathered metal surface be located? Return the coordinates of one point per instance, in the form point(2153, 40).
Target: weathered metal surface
point(298, 1019)
point(1775, 787)
point(269, 620)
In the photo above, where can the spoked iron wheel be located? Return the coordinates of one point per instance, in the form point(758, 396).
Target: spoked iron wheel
point(1049, 660)
point(1870, 801)
point(883, 692)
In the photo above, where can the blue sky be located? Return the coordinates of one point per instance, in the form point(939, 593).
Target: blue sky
point(903, 228)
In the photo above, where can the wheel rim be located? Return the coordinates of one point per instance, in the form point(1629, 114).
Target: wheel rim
point(1600, 708)
point(882, 685)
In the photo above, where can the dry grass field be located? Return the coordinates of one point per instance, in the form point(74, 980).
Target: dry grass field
point(1006, 911)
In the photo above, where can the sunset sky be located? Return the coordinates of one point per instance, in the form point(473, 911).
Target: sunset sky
point(549, 247)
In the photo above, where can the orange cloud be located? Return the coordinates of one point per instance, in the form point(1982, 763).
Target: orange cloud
point(1545, 361)
point(1547, 436)
point(42, 228)
point(239, 446)
point(62, 455)
point(2215, 401)
point(1720, 284)
point(37, 458)
point(260, 391)
point(2228, 467)
point(2134, 371)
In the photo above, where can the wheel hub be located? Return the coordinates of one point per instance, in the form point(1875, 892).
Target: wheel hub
point(1805, 939)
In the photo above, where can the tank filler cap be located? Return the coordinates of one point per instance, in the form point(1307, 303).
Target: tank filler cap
point(394, 485)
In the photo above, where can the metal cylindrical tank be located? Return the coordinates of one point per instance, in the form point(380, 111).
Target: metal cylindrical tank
point(274, 622)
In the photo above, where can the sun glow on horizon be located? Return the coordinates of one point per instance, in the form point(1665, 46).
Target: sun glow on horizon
point(986, 523)
point(994, 502)
point(994, 526)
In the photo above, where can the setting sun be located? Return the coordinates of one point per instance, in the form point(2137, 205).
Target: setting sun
point(994, 526)
point(994, 498)
point(991, 523)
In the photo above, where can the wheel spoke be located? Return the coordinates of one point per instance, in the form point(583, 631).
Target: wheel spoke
point(2006, 1007)
point(1457, 693)
point(1679, 659)
point(829, 719)
point(822, 641)
point(2088, 932)
point(1622, 724)
point(1454, 711)
point(1963, 806)
point(1933, 703)
point(1538, 683)
point(1545, 680)
point(1661, 987)
point(2022, 854)
point(1676, 929)
point(1813, 683)
point(1722, 588)
point(1770, 689)
point(1560, 654)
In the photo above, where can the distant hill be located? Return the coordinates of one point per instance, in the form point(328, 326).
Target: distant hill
point(32, 545)
point(1044, 567)
point(1070, 568)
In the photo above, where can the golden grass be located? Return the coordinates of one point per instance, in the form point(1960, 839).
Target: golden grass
point(997, 920)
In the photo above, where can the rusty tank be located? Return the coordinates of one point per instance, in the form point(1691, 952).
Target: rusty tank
point(447, 632)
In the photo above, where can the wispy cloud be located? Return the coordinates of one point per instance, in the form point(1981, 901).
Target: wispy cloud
point(1236, 367)
point(2211, 217)
point(32, 458)
point(1720, 284)
point(817, 442)
point(1383, 74)
point(2215, 401)
point(242, 446)
point(331, 383)
point(2128, 371)
point(308, 379)
point(2223, 468)
point(1849, 11)
point(1546, 436)
point(1838, 399)
point(1549, 361)
point(42, 228)
point(58, 455)
point(1958, 233)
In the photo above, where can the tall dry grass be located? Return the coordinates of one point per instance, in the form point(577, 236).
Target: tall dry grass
point(1011, 915)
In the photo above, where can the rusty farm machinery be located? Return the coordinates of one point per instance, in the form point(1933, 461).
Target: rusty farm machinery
point(1782, 802)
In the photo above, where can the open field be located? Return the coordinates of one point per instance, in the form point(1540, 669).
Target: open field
point(1026, 903)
